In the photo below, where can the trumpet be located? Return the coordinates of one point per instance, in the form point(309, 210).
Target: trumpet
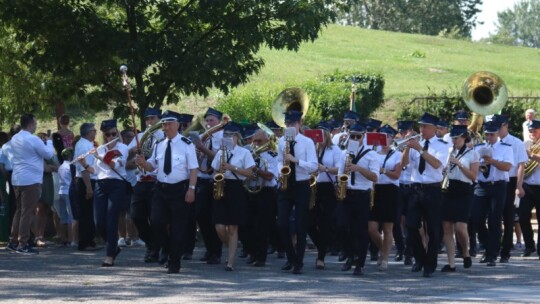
point(399, 144)
point(83, 156)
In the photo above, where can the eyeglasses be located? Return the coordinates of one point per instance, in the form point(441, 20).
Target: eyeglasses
point(113, 134)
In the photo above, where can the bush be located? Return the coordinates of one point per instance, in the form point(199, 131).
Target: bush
point(329, 97)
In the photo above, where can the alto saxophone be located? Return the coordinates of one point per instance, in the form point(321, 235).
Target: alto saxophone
point(219, 177)
point(286, 168)
point(343, 179)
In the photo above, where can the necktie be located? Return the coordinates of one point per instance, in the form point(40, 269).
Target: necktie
point(167, 164)
point(422, 164)
point(292, 177)
point(354, 162)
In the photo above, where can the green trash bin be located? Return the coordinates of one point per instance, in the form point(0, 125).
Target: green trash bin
point(4, 211)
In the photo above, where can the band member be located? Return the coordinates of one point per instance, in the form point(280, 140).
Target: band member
point(461, 118)
point(404, 250)
point(428, 158)
point(303, 160)
point(443, 132)
point(278, 131)
point(515, 174)
point(187, 252)
point(496, 159)
point(85, 187)
point(530, 193)
point(235, 164)
point(385, 207)
point(27, 155)
point(362, 166)
point(373, 125)
point(461, 172)
point(141, 199)
point(329, 157)
point(175, 160)
point(349, 119)
point(110, 190)
point(204, 203)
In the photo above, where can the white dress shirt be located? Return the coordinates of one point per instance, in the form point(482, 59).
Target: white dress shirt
point(271, 160)
point(82, 147)
point(468, 157)
point(304, 152)
point(526, 134)
point(7, 154)
point(520, 153)
point(239, 157)
point(64, 177)
point(216, 140)
point(331, 159)
point(104, 171)
point(393, 160)
point(183, 159)
point(336, 138)
point(29, 151)
point(369, 161)
point(501, 152)
point(437, 148)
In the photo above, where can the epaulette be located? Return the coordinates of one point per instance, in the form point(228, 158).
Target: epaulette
point(160, 140)
point(272, 153)
point(186, 140)
point(480, 144)
point(443, 141)
point(505, 144)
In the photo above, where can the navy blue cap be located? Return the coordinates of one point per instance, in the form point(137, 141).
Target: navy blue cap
point(501, 118)
point(232, 127)
point(185, 118)
point(152, 112)
point(388, 130)
point(491, 126)
point(534, 124)
point(108, 124)
point(85, 128)
point(272, 125)
point(169, 116)
point(336, 124)
point(213, 112)
point(292, 116)
point(351, 115)
point(373, 124)
point(249, 130)
point(404, 125)
point(324, 125)
point(358, 128)
point(458, 130)
point(461, 115)
point(442, 123)
point(428, 119)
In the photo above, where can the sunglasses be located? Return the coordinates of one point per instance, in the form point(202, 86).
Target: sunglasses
point(113, 134)
point(355, 136)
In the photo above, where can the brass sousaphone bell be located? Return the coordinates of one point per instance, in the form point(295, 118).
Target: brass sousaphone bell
point(290, 99)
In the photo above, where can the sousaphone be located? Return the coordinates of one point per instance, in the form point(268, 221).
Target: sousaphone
point(290, 99)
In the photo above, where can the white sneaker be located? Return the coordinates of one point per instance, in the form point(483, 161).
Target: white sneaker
point(138, 243)
point(122, 242)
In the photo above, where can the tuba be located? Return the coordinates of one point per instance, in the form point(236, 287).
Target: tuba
point(219, 177)
point(253, 184)
point(146, 145)
point(343, 180)
point(531, 164)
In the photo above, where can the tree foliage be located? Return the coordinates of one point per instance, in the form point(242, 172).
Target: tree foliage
point(172, 48)
point(519, 25)
point(429, 17)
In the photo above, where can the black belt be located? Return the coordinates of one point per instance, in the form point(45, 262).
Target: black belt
point(204, 180)
point(353, 191)
point(166, 186)
point(491, 183)
point(406, 185)
point(424, 186)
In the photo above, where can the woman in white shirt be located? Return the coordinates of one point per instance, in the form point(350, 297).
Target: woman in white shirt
point(385, 205)
point(461, 171)
point(231, 210)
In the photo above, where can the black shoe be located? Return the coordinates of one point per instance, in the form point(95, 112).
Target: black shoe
point(527, 252)
point(447, 268)
point(228, 268)
point(398, 257)
point(243, 254)
point(297, 270)
point(205, 257)
point(150, 256)
point(187, 257)
point(484, 259)
point(467, 262)
point(287, 266)
point(491, 262)
point(250, 260)
point(416, 267)
point(259, 264)
point(342, 256)
point(213, 260)
point(358, 271)
point(281, 255)
point(105, 264)
point(173, 269)
point(427, 274)
point(504, 260)
point(407, 261)
point(348, 265)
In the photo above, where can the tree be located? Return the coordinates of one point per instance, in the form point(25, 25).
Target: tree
point(519, 25)
point(172, 48)
point(428, 17)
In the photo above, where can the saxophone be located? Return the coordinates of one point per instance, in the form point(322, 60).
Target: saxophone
point(219, 177)
point(286, 168)
point(343, 180)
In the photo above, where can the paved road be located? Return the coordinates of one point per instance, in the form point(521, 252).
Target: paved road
point(65, 276)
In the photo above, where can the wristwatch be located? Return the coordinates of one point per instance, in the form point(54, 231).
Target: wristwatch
point(422, 152)
point(192, 187)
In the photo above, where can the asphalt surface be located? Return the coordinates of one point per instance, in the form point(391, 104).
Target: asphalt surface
point(59, 275)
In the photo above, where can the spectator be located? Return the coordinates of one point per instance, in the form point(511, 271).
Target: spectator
point(530, 114)
point(62, 206)
point(65, 132)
